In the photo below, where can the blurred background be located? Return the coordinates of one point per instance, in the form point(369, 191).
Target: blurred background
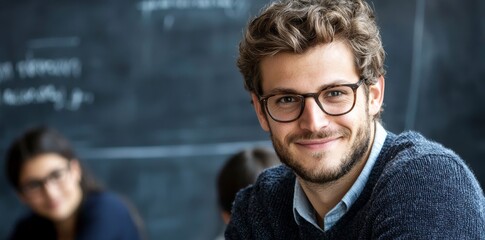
point(150, 96)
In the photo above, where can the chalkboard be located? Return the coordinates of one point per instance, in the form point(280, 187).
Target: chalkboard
point(147, 91)
point(436, 73)
point(150, 96)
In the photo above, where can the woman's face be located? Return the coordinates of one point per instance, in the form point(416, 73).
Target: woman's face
point(50, 185)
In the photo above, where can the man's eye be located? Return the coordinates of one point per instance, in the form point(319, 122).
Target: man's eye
point(287, 99)
point(334, 93)
point(337, 92)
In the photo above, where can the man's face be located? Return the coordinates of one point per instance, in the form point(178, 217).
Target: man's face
point(320, 148)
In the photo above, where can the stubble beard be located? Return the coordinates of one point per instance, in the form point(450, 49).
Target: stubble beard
point(354, 154)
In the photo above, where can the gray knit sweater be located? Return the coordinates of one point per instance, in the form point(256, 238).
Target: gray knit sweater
point(417, 190)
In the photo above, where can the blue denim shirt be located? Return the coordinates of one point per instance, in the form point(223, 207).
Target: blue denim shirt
point(302, 206)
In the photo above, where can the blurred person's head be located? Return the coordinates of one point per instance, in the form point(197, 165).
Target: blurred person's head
point(240, 171)
point(47, 176)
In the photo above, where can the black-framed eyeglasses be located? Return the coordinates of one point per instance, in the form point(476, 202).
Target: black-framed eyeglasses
point(34, 187)
point(335, 100)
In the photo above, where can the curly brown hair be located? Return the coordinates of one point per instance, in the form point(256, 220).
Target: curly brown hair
point(297, 25)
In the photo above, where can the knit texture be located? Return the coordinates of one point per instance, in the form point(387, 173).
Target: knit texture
point(417, 190)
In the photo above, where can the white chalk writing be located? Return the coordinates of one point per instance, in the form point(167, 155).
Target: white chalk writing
point(181, 4)
point(60, 97)
point(63, 67)
point(232, 7)
point(54, 42)
point(6, 71)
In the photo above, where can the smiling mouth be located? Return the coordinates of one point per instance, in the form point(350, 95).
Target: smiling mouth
point(317, 144)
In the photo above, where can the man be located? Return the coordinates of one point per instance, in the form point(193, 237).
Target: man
point(315, 71)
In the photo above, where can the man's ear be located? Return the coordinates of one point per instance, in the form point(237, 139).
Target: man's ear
point(263, 120)
point(376, 96)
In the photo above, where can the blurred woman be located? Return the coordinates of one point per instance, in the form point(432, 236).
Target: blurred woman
point(66, 203)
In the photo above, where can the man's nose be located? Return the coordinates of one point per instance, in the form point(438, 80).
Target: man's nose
point(313, 117)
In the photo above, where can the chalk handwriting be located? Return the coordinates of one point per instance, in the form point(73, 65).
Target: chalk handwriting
point(38, 67)
point(232, 8)
point(60, 97)
point(54, 42)
point(6, 71)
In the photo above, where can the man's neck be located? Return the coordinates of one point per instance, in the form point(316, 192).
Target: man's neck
point(324, 197)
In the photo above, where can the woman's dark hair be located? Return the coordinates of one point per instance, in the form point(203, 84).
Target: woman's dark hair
point(241, 170)
point(42, 140)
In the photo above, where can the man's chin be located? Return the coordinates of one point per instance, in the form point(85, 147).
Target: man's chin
point(315, 174)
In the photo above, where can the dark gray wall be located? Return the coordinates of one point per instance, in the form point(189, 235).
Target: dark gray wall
point(153, 102)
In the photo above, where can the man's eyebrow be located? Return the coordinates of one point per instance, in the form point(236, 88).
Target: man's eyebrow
point(282, 90)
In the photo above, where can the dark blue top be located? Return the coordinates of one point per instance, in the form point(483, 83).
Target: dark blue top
point(102, 216)
point(416, 190)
